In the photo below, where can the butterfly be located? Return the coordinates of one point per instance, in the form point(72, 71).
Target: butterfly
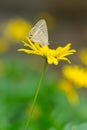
point(39, 33)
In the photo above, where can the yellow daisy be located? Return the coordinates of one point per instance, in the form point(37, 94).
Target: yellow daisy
point(17, 28)
point(83, 56)
point(53, 56)
point(69, 91)
point(37, 44)
point(76, 75)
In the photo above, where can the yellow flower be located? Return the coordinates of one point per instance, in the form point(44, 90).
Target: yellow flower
point(83, 56)
point(69, 91)
point(4, 46)
point(17, 28)
point(76, 75)
point(53, 56)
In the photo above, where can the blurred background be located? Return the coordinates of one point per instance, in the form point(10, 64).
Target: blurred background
point(61, 104)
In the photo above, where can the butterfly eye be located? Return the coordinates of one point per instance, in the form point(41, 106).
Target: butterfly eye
point(30, 35)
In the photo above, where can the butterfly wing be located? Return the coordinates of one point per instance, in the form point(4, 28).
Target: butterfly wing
point(39, 33)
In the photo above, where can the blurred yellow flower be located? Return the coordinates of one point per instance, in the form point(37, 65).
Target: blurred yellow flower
point(52, 55)
point(36, 113)
point(83, 56)
point(17, 28)
point(69, 91)
point(4, 46)
point(2, 68)
point(76, 75)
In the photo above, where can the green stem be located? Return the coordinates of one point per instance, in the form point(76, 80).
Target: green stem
point(36, 95)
